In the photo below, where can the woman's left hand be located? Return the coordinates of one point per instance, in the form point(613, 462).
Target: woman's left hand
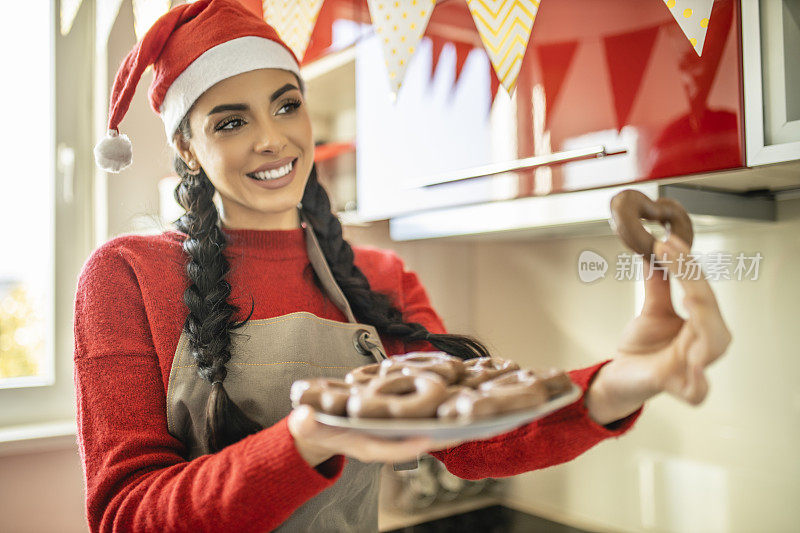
point(659, 350)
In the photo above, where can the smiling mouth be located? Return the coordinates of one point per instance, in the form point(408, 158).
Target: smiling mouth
point(273, 174)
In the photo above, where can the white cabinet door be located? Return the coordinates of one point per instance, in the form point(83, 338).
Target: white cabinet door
point(771, 64)
point(431, 129)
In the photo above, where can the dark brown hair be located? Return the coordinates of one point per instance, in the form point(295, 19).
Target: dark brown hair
point(209, 324)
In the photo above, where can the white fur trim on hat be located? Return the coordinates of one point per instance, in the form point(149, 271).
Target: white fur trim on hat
point(216, 64)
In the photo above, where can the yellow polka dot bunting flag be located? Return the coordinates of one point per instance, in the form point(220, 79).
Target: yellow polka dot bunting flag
point(294, 21)
point(505, 27)
point(399, 24)
point(692, 16)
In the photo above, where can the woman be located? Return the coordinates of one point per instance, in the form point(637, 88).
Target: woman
point(183, 403)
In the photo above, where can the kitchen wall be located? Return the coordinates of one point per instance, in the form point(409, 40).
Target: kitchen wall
point(732, 464)
point(42, 491)
point(729, 465)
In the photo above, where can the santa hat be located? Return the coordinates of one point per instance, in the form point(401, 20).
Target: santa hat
point(191, 47)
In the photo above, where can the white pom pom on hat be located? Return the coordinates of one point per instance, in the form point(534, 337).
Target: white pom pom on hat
point(114, 152)
point(191, 47)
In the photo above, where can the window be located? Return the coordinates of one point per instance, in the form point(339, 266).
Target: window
point(27, 310)
point(47, 210)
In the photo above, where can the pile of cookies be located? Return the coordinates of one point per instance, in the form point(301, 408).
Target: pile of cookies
point(432, 385)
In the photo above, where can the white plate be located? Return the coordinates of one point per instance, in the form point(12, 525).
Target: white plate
point(439, 429)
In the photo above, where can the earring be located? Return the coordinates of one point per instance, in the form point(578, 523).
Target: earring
point(193, 166)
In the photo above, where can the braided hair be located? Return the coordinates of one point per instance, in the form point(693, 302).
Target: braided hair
point(209, 324)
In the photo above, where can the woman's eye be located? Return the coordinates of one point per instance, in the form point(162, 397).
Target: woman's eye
point(291, 104)
point(233, 121)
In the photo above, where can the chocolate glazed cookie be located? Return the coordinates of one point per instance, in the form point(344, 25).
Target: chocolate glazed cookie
point(630, 205)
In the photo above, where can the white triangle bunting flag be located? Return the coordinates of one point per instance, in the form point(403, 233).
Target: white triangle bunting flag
point(105, 16)
point(69, 9)
point(145, 13)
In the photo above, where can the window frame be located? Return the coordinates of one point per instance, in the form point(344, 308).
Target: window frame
point(41, 401)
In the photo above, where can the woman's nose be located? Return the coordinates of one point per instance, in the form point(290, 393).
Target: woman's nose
point(269, 138)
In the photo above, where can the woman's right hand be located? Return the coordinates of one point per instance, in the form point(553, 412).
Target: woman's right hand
point(317, 442)
point(660, 351)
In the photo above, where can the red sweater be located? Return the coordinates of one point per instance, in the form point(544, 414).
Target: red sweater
point(128, 317)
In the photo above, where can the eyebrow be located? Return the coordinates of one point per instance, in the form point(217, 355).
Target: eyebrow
point(244, 107)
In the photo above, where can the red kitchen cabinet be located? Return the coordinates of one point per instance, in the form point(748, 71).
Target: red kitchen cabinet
point(616, 74)
point(623, 66)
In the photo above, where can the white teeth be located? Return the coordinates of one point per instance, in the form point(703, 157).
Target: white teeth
point(273, 174)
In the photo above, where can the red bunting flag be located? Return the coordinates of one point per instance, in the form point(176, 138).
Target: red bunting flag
point(627, 56)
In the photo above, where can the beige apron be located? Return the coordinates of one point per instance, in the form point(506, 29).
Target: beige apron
point(267, 357)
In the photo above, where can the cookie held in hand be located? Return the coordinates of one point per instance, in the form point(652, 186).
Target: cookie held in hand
point(629, 206)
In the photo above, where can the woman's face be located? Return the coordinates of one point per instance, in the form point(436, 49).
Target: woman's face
point(245, 123)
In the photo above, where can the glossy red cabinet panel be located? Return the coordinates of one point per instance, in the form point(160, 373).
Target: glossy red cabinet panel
point(622, 72)
point(616, 73)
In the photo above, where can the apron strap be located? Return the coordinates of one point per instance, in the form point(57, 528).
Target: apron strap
point(363, 342)
point(367, 346)
point(322, 269)
point(317, 259)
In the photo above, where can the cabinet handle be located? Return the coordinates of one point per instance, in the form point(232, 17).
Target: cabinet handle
point(526, 163)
